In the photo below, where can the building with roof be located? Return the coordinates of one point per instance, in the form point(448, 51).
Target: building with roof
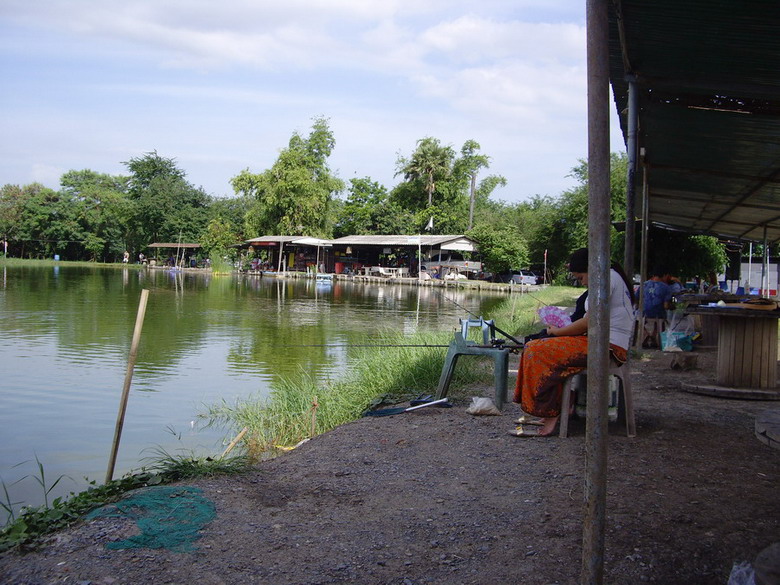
point(351, 254)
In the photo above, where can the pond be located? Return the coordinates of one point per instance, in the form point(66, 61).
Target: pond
point(66, 338)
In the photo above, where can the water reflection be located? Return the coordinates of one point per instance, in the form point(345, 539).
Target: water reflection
point(205, 339)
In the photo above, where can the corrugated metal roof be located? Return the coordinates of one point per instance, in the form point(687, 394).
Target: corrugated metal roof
point(173, 245)
point(709, 110)
point(445, 242)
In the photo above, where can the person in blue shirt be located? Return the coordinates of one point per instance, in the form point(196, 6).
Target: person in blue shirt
point(657, 295)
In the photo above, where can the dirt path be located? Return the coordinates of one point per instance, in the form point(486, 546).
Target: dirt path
point(442, 497)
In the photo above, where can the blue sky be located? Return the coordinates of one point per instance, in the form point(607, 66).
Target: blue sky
point(221, 86)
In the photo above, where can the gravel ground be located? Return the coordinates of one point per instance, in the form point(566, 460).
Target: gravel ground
point(438, 496)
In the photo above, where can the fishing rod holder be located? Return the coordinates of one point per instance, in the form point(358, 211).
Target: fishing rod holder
point(461, 346)
point(487, 326)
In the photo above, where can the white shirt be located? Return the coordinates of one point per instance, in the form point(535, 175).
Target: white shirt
point(621, 312)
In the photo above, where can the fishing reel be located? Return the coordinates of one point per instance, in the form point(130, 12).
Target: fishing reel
point(502, 344)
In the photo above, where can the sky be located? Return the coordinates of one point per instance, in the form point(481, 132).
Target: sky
point(222, 86)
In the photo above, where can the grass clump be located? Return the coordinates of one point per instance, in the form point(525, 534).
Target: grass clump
point(301, 406)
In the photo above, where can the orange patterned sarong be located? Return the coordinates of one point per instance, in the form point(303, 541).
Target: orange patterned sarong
point(544, 366)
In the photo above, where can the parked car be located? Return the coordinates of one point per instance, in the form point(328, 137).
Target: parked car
point(520, 277)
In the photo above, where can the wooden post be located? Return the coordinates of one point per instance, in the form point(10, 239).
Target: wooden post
point(234, 442)
point(120, 419)
point(314, 406)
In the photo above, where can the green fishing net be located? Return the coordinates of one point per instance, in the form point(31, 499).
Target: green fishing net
point(168, 517)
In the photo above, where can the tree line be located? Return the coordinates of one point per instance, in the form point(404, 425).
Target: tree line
point(96, 216)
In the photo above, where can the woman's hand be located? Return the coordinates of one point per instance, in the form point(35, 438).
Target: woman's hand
point(552, 330)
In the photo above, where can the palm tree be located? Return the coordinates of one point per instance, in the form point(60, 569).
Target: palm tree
point(430, 161)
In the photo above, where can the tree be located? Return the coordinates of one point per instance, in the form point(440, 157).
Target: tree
point(502, 249)
point(560, 225)
point(165, 207)
point(293, 196)
point(103, 211)
point(429, 162)
point(684, 254)
point(469, 164)
point(218, 238)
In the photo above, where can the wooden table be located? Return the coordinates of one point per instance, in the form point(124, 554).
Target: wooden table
point(747, 346)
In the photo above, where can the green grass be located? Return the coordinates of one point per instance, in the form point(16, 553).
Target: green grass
point(376, 376)
point(45, 262)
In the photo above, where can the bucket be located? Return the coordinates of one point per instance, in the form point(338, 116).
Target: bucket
point(580, 386)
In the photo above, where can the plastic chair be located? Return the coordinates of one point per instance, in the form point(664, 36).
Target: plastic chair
point(625, 398)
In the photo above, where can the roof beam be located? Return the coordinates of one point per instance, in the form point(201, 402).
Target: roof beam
point(748, 194)
point(773, 178)
point(712, 201)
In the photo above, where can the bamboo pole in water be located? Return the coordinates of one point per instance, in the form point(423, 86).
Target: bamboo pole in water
point(120, 419)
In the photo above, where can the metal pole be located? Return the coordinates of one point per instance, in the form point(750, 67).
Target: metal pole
point(598, 293)
point(643, 256)
point(765, 268)
point(120, 419)
point(631, 151)
point(471, 199)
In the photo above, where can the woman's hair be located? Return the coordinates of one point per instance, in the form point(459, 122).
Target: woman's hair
point(619, 269)
point(578, 262)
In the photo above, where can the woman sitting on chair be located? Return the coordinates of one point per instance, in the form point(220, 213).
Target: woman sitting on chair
point(546, 363)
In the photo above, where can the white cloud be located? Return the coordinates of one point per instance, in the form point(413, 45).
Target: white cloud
point(222, 86)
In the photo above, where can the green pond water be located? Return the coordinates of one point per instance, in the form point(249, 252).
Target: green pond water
point(66, 334)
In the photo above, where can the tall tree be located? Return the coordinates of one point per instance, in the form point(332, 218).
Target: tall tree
point(103, 211)
point(166, 207)
point(469, 163)
point(430, 162)
point(293, 196)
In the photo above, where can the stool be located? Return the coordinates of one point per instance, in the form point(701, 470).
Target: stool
point(461, 347)
point(622, 373)
point(651, 330)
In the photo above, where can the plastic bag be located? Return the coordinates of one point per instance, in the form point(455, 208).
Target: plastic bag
point(680, 323)
point(742, 574)
point(679, 334)
point(482, 406)
point(676, 341)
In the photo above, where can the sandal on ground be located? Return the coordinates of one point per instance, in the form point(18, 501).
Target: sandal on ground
point(529, 420)
point(521, 432)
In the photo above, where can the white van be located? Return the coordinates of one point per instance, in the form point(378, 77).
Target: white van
point(447, 259)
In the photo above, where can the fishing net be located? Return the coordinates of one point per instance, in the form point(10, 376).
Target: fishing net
point(168, 517)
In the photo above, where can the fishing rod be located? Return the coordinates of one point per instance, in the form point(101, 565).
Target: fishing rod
point(502, 332)
point(363, 345)
point(383, 345)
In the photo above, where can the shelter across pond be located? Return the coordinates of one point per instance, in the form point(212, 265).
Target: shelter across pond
point(179, 255)
point(361, 254)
